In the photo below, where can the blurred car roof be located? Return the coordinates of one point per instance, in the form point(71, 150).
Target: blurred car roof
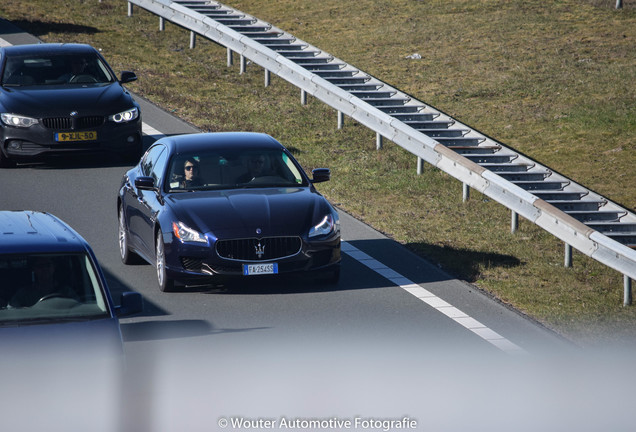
point(33, 231)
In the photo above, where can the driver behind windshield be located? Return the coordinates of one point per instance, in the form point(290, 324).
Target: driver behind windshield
point(44, 283)
point(256, 167)
point(77, 68)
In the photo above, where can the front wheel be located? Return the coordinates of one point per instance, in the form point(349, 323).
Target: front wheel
point(166, 284)
point(127, 257)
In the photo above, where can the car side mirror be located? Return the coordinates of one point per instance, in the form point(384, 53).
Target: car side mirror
point(145, 183)
point(127, 76)
point(131, 303)
point(321, 175)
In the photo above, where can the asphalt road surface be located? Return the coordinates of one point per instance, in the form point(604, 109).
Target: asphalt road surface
point(396, 344)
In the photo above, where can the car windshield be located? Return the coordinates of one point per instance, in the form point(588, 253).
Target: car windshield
point(232, 169)
point(55, 69)
point(41, 288)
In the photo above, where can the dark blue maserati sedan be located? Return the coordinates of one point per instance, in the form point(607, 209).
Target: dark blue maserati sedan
point(202, 207)
point(61, 98)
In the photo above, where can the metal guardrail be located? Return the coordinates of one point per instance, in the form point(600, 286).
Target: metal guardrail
point(579, 217)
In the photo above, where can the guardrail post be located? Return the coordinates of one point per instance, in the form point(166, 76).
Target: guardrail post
point(162, 24)
point(420, 165)
point(514, 222)
point(340, 119)
point(465, 192)
point(303, 97)
point(378, 141)
point(267, 78)
point(627, 290)
point(130, 9)
point(568, 256)
point(230, 58)
point(193, 38)
point(243, 64)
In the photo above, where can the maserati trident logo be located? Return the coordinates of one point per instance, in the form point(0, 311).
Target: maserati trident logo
point(260, 250)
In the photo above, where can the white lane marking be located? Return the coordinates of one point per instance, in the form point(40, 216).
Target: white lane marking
point(149, 130)
point(433, 301)
point(426, 296)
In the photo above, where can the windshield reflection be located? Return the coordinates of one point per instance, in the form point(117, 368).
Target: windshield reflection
point(36, 288)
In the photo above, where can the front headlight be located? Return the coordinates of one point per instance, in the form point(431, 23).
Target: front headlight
point(324, 227)
point(186, 234)
point(125, 116)
point(18, 120)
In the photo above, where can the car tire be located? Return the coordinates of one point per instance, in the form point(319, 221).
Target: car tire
point(126, 255)
point(166, 284)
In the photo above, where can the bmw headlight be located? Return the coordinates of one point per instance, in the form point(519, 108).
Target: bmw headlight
point(18, 120)
point(324, 227)
point(125, 116)
point(186, 234)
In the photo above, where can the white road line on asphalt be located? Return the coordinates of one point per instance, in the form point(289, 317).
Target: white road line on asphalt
point(149, 130)
point(424, 295)
point(433, 301)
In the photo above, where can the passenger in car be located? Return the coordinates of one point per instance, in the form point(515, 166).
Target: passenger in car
point(190, 174)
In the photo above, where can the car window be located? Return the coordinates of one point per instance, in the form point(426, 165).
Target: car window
point(150, 159)
point(159, 167)
point(49, 69)
point(231, 169)
point(37, 288)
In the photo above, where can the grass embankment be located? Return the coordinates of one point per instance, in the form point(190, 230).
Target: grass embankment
point(552, 79)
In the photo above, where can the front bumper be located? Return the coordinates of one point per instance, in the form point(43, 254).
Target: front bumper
point(191, 263)
point(39, 141)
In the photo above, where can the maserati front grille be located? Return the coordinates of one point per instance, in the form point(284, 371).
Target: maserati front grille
point(258, 249)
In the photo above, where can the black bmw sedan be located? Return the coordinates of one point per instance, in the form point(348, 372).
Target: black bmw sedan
point(61, 98)
point(203, 206)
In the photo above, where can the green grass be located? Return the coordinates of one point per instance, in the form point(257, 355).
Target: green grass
point(553, 79)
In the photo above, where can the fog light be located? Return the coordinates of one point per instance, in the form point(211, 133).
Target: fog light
point(14, 145)
point(131, 139)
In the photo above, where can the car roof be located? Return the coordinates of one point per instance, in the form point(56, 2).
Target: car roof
point(48, 48)
point(211, 140)
point(32, 231)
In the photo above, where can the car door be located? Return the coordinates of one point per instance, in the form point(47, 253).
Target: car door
point(143, 209)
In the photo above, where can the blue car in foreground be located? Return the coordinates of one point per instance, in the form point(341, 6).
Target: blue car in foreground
point(61, 349)
point(208, 206)
point(52, 286)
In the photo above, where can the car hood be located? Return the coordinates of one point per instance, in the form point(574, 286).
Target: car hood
point(61, 100)
point(99, 335)
point(239, 213)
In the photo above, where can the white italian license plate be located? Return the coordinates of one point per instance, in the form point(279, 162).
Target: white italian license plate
point(260, 269)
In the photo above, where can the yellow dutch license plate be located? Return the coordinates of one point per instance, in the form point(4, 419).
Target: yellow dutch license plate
point(76, 136)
